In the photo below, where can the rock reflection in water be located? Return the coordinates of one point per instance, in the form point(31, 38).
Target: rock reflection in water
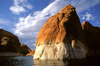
point(28, 61)
point(9, 61)
point(16, 61)
point(49, 63)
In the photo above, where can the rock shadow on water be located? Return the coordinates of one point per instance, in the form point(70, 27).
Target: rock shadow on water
point(88, 61)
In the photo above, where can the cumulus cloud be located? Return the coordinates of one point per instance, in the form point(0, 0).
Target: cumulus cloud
point(88, 16)
point(19, 6)
point(28, 27)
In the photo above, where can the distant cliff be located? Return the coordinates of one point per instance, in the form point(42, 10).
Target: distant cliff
point(25, 49)
point(9, 43)
point(31, 53)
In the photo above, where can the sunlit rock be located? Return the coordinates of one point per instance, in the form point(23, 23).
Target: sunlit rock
point(61, 37)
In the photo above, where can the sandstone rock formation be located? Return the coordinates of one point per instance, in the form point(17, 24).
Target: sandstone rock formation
point(8, 41)
point(31, 53)
point(92, 36)
point(9, 44)
point(61, 37)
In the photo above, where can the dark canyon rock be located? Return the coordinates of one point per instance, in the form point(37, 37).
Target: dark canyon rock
point(25, 49)
point(92, 36)
point(9, 43)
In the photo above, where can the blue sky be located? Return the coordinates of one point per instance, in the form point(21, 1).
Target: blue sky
point(25, 18)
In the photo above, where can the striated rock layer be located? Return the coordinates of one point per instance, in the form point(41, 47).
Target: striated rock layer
point(61, 37)
point(9, 44)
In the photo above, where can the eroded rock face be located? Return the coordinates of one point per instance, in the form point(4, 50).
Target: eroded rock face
point(61, 37)
point(9, 44)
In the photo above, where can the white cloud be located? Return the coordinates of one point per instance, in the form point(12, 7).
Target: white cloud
point(4, 22)
point(17, 9)
point(88, 16)
point(19, 6)
point(27, 26)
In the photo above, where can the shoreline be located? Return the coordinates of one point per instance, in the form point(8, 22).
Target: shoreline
point(10, 54)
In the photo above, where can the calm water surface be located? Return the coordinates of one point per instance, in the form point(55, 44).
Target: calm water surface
point(28, 61)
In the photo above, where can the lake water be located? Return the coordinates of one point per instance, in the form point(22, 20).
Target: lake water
point(28, 61)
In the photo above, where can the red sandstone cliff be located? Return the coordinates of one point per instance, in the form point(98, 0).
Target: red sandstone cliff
point(61, 37)
point(62, 28)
